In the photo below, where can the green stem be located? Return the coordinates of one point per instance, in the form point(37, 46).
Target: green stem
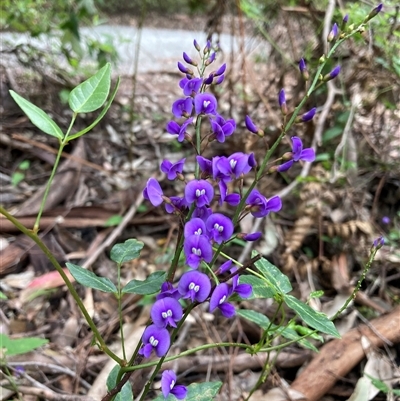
point(71, 288)
point(53, 172)
point(120, 311)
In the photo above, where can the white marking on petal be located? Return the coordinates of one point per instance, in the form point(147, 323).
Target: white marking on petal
point(232, 163)
point(198, 232)
point(171, 386)
point(206, 103)
point(222, 300)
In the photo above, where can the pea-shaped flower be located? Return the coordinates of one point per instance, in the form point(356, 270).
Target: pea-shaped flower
point(172, 169)
point(197, 248)
point(260, 206)
point(219, 299)
point(182, 107)
point(175, 129)
point(194, 285)
point(200, 192)
point(205, 103)
point(169, 386)
point(219, 227)
point(166, 312)
point(195, 226)
point(157, 339)
point(153, 192)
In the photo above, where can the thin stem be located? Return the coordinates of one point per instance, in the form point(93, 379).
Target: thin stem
point(53, 172)
point(71, 288)
point(120, 311)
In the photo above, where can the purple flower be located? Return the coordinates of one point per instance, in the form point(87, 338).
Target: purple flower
point(205, 166)
point(153, 192)
point(209, 79)
point(282, 102)
point(224, 267)
point(333, 74)
point(197, 248)
point(205, 103)
point(285, 166)
point(202, 212)
point(176, 203)
point(157, 339)
point(194, 285)
point(385, 220)
point(232, 199)
point(345, 19)
point(222, 128)
point(307, 155)
point(192, 86)
point(219, 299)
point(168, 291)
point(199, 191)
point(243, 290)
point(379, 242)
point(172, 169)
point(260, 206)
point(235, 165)
point(307, 116)
point(220, 227)
point(169, 386)
point(219, 80)
point(195, 226)
point(182, 107)
point(166, 311)
point(175, 129)
point(333, 33)
point(251, 236)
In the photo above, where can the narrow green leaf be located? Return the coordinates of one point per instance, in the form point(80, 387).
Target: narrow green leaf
point(260, 287)
point(263, 321)
point(197, 392)
point(314, 319)
point(91, 280)
point(20, 345)
point(100, 116)
point(275, 277)
point(91, 94)
point(255, 317)
point(37, 116)
point(151, 285)
point(129, 250)
point(126, 393)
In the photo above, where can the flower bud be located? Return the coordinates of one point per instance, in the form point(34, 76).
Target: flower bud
point(344, 22)
point(282, 102)
point(209, 80)
point(184, 69)
point(378, 242)
point(220, 70)
point(374, 12)
point(252, 127)
point(307, 116)
point(196, 45)
point(189, 60)
point(211, 59)
point(333, 33)
point(207, 47)
point(303, 69)
point(332, 75)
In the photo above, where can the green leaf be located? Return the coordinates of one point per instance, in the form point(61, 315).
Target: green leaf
point(37, 116)
point(91, 94)
point(113, 220)
point(20, 345)
point(255, 317)
point(126, 393)
point(91, 280)
point(16, 178)
point(197, 392)
point(129, 250)
point(151, 285)
point(3, 296)
point(314, 319)
point(260, 287)
point(100, 116)
point(275, 277)
point(331, 133)
point(286, 332)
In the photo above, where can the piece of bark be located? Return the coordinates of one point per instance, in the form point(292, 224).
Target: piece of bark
point(338, 357)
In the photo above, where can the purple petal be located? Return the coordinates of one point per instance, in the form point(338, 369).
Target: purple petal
point(205, 165)
point(227, 309)
point(220, 70)
point(297, 147)
point(224, 267)
point(179, 391)
point(220, 227)
point(308, 155)
point(232, 199)
point(219, 80)
point(192, 86)
point(250, 125)
point(196, 248)
point(182, 68)
point(274, 204)
point(153, 192)
point(155, 338)
point(199, 191)
point(282, 97)
point(195, 226)
point(168, 380)
point(309, 115)
point(182, 107)
point(252, 236)
point(244, 290)
point(205, 103)
point(285, 166)
point(219, 296)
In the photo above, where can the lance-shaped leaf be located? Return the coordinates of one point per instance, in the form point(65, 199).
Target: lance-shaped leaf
point(37, 116)
point(260, 287)
point(314, 319)
point(197, 392)
point(91, 280)
point(151, 285)
point(91, 94)
point(19, 346)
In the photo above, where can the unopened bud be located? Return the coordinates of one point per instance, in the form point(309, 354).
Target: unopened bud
point(303, 69)
point(189, 60)
point(379, 242)
point(332, 75)
point(307, 116)
point(207, 47)
point(333, 33)
point(282, 102)
point(374, 12)
point(196, 45)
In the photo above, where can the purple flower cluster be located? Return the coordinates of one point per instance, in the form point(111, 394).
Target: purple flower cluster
point(205, 227)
